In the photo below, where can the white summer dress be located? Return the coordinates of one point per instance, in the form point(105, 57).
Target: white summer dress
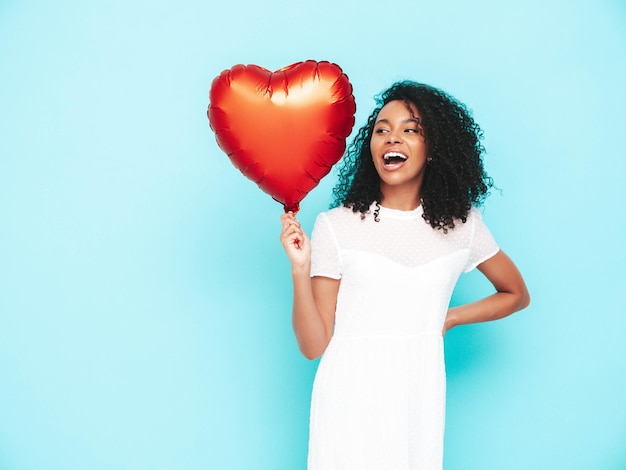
point(379, 393)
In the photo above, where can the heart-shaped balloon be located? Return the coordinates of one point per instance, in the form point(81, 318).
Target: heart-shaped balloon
point(285, 129)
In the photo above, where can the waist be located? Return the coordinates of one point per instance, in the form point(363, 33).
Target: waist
point(386, 336)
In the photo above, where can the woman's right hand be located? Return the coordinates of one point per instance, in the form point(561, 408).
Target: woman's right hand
point(295, 242)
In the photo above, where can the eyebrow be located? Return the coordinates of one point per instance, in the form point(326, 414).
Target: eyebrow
point(386, 121)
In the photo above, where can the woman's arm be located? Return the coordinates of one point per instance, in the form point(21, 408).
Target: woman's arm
point(511, 294)
point(314, 299)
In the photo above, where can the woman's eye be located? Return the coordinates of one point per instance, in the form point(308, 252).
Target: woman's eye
point(380, 131)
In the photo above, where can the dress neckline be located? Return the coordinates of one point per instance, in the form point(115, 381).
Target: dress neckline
point(397, 213)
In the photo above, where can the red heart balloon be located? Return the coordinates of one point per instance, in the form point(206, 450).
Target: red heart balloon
point(285, 129)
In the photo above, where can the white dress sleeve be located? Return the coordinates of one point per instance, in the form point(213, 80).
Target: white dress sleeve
point(325, 257)
point(482, 244)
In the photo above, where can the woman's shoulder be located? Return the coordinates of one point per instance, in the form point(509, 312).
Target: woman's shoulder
point(340, 220)
point(475, 225)
point(473, 219)
point(340, 213)
point(474, 214)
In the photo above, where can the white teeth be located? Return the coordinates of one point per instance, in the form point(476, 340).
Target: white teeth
point(390, 155)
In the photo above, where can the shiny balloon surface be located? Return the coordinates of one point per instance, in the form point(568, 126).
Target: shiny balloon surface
point(284, 130)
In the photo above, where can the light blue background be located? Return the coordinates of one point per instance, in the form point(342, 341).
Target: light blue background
point(145, 298)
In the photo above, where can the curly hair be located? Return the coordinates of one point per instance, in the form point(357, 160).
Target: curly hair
point(454, 179)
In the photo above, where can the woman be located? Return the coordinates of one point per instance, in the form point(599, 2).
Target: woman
point(371, 292)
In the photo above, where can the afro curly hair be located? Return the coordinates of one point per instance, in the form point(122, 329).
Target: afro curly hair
point(454, 180)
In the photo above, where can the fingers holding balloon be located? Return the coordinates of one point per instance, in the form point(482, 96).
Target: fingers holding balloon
point(292, 233)
point(289, 221)
point(294, 240)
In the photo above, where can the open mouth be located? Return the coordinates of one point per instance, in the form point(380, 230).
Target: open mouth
point(391, 158)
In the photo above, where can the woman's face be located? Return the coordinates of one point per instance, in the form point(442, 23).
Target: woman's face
point(398, 148)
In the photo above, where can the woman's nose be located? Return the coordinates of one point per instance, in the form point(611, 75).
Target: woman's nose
point(393, 138)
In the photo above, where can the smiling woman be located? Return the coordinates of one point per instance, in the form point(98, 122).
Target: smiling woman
point(379, 393)
point(400, 154)
point(455, 179)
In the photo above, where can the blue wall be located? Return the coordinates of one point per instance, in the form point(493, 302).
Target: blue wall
point(145, 298)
